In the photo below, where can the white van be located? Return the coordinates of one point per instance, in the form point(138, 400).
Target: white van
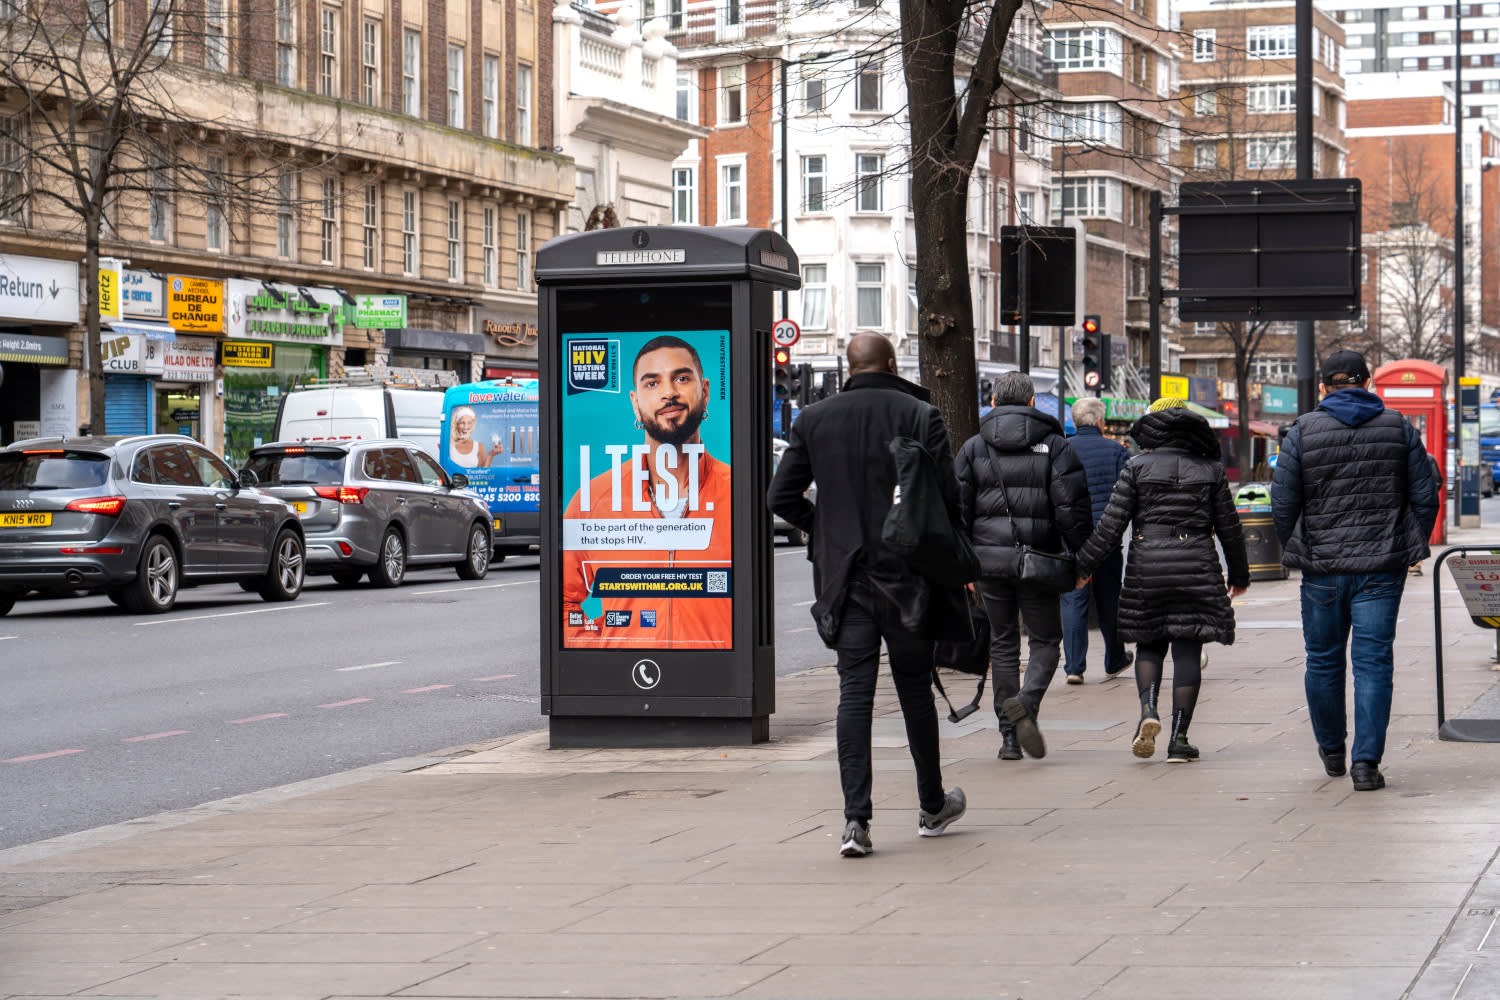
point(339, 412)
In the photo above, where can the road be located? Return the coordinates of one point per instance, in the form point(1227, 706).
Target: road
point(109, 716)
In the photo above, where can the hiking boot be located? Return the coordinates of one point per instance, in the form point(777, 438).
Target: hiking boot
point(933, 824)
point(1144, 744)
point(1075, 678)
point(856, 841)
point(1180, 751)
point(1333, 761)
point(1122, 666)
point(1367, 776)
point(1027, 733)
point(1009, 748)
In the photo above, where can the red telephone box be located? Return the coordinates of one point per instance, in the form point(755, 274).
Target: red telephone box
point(1419, 389)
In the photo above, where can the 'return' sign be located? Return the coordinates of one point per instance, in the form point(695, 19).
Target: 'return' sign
point(785, 332)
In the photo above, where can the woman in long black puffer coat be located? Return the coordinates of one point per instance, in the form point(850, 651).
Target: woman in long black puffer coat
point(1174, 594)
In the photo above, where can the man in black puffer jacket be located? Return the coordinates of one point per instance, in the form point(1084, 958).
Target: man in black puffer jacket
point(1019, 483)
point(1354, 501)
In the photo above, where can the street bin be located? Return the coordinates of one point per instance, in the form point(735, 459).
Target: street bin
point(657, 583)
point(1253, 503)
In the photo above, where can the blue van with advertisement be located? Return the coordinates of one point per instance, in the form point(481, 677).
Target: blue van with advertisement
point(491, 434)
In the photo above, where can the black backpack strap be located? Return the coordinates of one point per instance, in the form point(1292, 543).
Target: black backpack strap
point(959, 714)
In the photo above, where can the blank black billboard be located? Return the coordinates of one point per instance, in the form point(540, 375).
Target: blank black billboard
point(1050, 270)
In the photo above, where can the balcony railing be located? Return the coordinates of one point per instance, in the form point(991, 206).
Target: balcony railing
point(728, 21)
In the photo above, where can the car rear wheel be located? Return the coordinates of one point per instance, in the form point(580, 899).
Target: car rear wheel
point(283, 581)
point(347, 577)
point(477, 563)
point(390, 568)
point(154, 589)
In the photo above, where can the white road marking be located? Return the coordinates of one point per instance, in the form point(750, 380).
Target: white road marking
point(480, 586)
point(4, 637)
point(804, 604)
point(796, 550)
point(368, 666)
point(232, 614)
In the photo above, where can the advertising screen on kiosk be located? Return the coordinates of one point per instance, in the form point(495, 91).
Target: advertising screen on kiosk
point(491, 434)
point(646, 534)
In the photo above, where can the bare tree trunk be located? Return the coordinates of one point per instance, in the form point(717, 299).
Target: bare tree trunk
point(946, 323)
point(91, 323)
point(1242, 389)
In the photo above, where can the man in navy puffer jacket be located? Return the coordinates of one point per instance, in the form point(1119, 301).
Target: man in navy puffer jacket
point(1102, 461)
point(1354, 500)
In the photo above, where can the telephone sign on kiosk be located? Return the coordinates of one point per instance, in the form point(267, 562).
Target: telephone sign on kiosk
point(785, 332)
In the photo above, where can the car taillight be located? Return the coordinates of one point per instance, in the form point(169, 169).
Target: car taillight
point(343, 494)
point(108, 506)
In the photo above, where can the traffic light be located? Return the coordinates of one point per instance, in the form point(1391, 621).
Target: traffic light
point(986, 391)
point(1092, 374)
point(803, 385)
point(797, 384)
point(1106, 359)
point(783, 375)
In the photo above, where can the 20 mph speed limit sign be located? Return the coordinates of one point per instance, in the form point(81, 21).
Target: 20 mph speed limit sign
point(785, 333)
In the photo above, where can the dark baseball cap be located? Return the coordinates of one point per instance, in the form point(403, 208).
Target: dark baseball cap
point(1348, 364)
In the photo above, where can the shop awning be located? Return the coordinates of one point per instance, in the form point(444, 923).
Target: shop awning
point(1264, 429)
point(1215, 419)
point(141, 328)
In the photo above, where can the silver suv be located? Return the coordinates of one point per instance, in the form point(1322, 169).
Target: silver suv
point(376, 506)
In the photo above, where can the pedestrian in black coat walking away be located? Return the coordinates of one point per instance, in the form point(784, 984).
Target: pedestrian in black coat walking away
point(865, 592)
point(1020, 484)
point(1175, 499)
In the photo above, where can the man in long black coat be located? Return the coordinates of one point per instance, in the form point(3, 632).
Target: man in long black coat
point(865, 593)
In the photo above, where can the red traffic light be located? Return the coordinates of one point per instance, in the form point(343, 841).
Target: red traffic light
point(1091, 324)
point(783, 356)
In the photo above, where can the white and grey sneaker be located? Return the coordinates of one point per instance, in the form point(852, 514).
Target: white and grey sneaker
point(933, 824)
point(856, 841)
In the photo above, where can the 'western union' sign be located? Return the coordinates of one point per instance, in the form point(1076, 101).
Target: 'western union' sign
point(604, 257)
point(247, 354)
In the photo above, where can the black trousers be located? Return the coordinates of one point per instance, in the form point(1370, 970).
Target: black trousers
point(1008, 605)
point(868, 619)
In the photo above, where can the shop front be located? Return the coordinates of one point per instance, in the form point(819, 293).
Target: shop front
point(38, 304)
point(277, 336)
point(509, 343)
point(444, 350)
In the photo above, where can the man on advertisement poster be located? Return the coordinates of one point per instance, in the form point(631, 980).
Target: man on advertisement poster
point(647, 541)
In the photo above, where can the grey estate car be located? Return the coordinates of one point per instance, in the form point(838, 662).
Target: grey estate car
point(138, 518)
point(376, 506)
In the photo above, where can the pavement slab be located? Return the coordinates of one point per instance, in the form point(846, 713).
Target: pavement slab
point(507, 869)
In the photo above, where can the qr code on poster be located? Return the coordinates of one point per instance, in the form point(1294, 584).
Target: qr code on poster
point(718, 581)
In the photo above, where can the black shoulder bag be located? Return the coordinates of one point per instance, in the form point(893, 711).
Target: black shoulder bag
point(917, 528)
point(1054, 572)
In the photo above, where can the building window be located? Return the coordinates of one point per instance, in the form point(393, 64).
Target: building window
point(523, 105)
point(491, 246)
point(411, 73)
point(370, 228)
point(215, 36)
point(913, 308)
point(1085, 49)
point(98, 15)
point(1204, 44)
point(1026, 207)
point(523, 251)
point(1102, 122)
point(814, 296)
point(1271, 98)
point(160, 180)
point(491, 98)
point(869, 296)
point(868, 168)
point(286, 214)
point(409, 223)
point(1263, 154)
point(684, 197)
point(328, 222)
point(814, 89)
point(455, 240)
point(456, 86)
point(12, 170)
point(328, 54)
point(1090, 197)
point(814, 183)
point(867, 86)
point(1205, 156)
point(1270, 41)
point(686, 91)
point(215, 205)
point(286, 43)
point(1206, 103)
point(674, 14)
point(731, 193)
point(732, 91)
point(369, 74)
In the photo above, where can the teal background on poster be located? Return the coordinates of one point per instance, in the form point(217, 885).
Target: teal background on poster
point(599, 418)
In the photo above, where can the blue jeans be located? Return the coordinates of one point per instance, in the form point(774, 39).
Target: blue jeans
point(1105, 590)
point(1332, 608)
